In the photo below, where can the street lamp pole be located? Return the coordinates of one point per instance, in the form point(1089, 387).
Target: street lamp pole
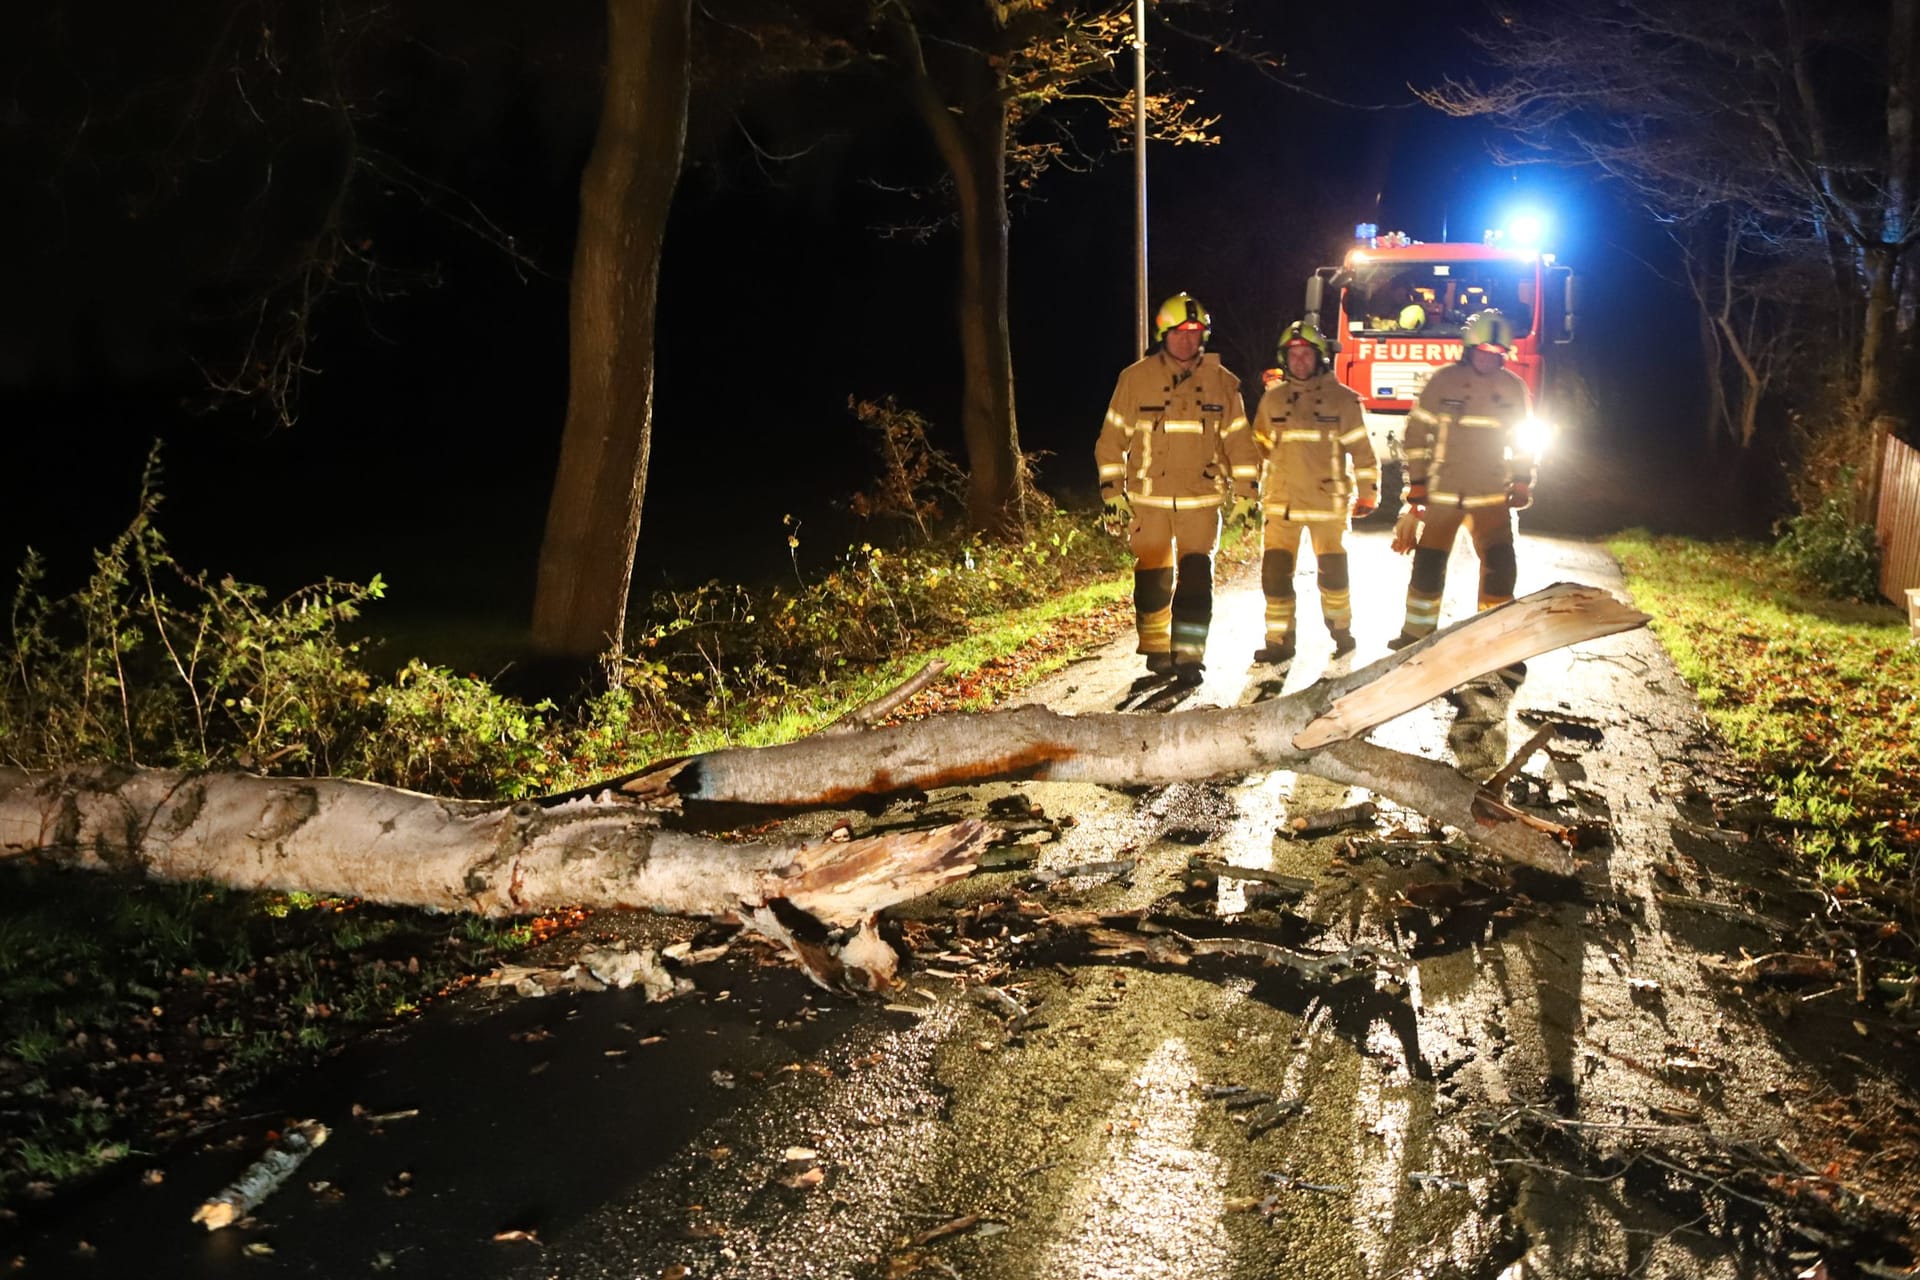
point(1140, 176)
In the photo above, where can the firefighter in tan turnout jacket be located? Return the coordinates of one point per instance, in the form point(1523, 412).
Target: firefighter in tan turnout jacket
point(1175, 445)
point(1309, 426)
point(1467, 463)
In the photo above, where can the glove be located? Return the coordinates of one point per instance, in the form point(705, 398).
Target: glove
point(1116, 505)
point(1417, 494)
point(1406, 531)
point(1364, 507)
point(1246, 511)
point(1520, 495)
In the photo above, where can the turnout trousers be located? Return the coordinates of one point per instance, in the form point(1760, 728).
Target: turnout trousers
point(1173, 578)
point(1491, 528)
point(1281, 540)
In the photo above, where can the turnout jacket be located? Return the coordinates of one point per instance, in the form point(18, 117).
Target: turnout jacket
point(1177, 439)
point(1460, 434)
point(1307, 431)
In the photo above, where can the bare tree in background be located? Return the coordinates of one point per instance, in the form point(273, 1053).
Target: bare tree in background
point(1007, 90)
point(1796, 118)
point(1751, 291)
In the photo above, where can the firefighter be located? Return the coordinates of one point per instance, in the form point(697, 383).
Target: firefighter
point(1319, 466)
point(1467, 463)
point(1175, 445)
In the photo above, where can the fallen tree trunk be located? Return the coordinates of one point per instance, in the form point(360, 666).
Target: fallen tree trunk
point(606, 845)
point(1131, 749)
point(335, 836)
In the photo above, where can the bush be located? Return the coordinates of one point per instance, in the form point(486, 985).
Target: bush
point(705, 653)
point(721, 652)
point(148, 663)
point(1827, 547)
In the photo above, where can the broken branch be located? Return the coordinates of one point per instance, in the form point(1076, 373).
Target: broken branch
point(263, 1177)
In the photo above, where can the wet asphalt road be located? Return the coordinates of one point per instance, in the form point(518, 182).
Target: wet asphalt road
point(1457, 1124)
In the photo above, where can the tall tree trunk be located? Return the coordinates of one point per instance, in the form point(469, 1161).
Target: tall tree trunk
point(994, 490)
point(972, 140)
point(1713, 364)
point(586, 557)
point(1880, 364)
point(1877, 360)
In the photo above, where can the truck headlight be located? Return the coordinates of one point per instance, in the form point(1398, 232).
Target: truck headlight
point(1534, 435)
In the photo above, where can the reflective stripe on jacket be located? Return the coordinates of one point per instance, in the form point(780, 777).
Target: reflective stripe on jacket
point(1308, 430)
point(1177, 438)
point(1460, 434)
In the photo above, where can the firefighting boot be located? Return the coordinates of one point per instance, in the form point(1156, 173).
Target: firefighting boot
point(1336, 600)
point(1159, 664)
point(1276, 581)
point(1275, 652)
point(1192, 616)
point(1424, 590)
point(1153, 615)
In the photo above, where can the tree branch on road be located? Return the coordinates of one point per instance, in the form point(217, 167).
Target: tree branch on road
point(610, 847)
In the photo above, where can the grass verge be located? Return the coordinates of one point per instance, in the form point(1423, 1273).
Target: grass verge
point(1817, 695)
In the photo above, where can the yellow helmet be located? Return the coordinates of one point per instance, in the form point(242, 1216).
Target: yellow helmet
point(1304, 333)
point(1488, 331)
point(1178, 312)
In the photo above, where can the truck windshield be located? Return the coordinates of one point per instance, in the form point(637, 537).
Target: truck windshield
point(1435, 298)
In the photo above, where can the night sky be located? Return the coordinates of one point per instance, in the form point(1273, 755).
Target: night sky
point(425, 445)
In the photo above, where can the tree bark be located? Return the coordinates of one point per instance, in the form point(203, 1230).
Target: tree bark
point(337, 836)
point(972, 141)
point(1880, 361)
point(1132, 749)
point(593, 519)
point(1876, 374)
point(995, 495)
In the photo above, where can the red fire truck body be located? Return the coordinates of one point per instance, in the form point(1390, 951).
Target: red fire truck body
point(1399, 306)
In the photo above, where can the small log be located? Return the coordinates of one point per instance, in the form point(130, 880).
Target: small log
point(1319, 824)
point(263, 1177)
point(1212, 871)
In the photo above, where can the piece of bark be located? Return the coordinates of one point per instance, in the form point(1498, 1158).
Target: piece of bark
point(263, 1177)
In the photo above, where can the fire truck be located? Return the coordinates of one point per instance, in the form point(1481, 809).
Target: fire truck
point(1397, 305)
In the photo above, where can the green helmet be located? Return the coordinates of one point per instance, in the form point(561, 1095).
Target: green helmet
point(1304, 333)
point(1178, 312)
point(1488, 331)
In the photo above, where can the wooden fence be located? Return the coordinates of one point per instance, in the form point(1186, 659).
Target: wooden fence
point(1899, 520)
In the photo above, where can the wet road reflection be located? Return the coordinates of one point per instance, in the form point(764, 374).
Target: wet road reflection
point(1150, 1203)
